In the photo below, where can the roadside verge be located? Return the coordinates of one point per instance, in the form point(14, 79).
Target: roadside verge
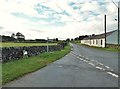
point(107, 49)
point(15, 69)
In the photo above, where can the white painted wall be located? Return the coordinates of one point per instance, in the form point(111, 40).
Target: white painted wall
point(111, 39)
point(94, 42)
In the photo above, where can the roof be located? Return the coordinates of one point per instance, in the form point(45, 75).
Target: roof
point(99, 35)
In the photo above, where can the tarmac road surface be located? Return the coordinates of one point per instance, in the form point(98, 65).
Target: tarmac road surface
point(82, 67)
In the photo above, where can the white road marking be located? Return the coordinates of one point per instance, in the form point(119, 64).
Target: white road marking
point(85, 61)
point(103, 69)
point(113, 74)
point(101, 64)
point(80, 55)
point(81, 59)
point(111, 69)
point(66, 55)
point(91, 64)
point(87, 58)
point(98, 67)
point(107, 66)
point(60, 66)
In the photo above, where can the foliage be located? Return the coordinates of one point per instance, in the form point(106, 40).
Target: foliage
point(107, 49)
point(8, 38)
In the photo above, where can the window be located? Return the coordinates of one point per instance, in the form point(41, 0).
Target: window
point(101, 42)
point(93, 41)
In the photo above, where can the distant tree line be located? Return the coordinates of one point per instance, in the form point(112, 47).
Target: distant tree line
point(81, 37)
point(19, 37)
point(7, 38)
point(13, 38)
point(77, 38)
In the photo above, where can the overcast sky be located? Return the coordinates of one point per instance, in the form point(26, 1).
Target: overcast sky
point(56, 18)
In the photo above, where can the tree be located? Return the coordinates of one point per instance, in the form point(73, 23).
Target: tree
point(71, 39)
point(56, 39)
point(67, 39)
point(82, 37)
point(20, 36)
point(7, 38)
point(13, 35)
point(76, 38)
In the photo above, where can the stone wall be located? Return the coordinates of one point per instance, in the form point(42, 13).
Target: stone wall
point(15, 53)
point(112, 46)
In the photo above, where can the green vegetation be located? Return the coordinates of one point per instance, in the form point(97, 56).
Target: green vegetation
point(12, 44)
point(76, 41)
point(107, 49)
point(17, 68)
point(0, 74)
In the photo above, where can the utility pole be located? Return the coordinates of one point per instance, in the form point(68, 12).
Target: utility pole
point(105, 29)
point(47, 44)
point(118, 7)
point(118, 22)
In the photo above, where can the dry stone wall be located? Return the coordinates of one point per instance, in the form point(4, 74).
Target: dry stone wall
point(16, 53)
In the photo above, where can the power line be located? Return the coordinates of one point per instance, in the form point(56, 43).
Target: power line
point(96, 23)
point(114, 3)
point(79, 21)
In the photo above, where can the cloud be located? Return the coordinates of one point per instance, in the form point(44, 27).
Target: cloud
point(1, 27)
point(36, 30)
point(56, 18)
point(7, 32)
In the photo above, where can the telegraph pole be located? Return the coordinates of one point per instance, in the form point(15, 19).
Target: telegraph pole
point(118, 7)
point(118, 22)
point(47, 44)
point(105, 29)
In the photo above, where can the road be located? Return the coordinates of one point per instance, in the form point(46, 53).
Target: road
point(108, 58)
point(82, 67)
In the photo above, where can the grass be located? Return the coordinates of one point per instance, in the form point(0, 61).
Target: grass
point(76, 41)
point(0, 74)
point(15, 69)
point(107, 49)
point(12, 44)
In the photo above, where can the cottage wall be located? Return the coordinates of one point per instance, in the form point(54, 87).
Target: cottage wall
point(94, 42)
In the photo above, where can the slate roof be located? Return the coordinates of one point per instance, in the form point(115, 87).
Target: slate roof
point(99, 35)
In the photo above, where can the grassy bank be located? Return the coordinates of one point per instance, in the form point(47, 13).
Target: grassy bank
point(15, 69)
point(107, 49)
point(12, 44)
point(76, 41)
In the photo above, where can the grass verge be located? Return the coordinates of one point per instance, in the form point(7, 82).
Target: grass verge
point(107, 49)
point(15, 69)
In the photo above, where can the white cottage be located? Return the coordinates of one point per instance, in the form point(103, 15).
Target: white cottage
point(99, 40)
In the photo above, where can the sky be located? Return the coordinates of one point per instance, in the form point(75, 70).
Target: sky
point(62, 19)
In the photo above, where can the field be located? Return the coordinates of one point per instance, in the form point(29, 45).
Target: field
point(11, 44)
point(17, 68)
